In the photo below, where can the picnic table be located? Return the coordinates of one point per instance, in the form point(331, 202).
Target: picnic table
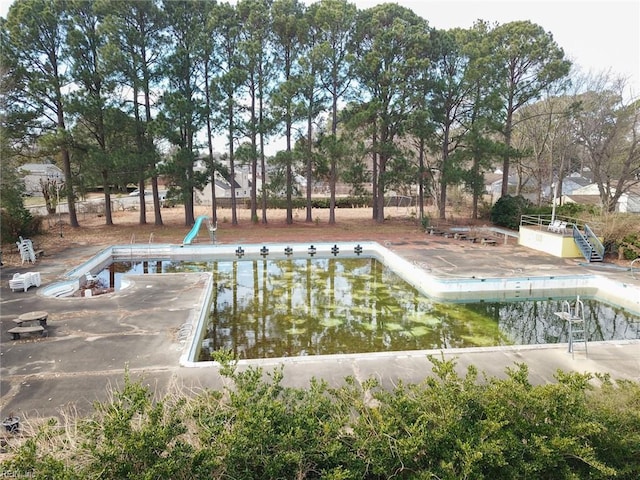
point(435, 231)
point(39, 316)
point(24, 324)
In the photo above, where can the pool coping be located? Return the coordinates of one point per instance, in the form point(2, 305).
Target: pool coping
point(503, 288)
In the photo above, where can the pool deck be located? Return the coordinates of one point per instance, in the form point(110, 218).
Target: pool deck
point(91, 341)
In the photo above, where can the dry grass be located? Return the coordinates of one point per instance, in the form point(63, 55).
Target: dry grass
point(351, 224)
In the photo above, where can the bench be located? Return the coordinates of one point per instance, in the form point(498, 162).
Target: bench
point(489, 241)
point(37, 316)
point(17, 331)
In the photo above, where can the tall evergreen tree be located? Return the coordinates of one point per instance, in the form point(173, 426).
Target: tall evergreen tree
point(391, 53)
point(89, 102)
point(183, 112)
point(526, 60)
point(36, 40)
point(256, 48)
point(312, 97)
point(288, 28)
point(135, 29)
point(209, 63)
point(449, 107)
point(232, 77)
point(336, 21)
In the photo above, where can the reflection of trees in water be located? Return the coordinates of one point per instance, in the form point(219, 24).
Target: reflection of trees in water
point(321, 306)
point(535, 322)
point(267, 308)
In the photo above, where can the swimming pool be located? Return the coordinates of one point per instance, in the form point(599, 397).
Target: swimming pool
point(459, 290)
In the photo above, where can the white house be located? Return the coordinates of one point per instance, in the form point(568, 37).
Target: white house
point(629, 202)
point(37, 173)
point(570, 184)
point(223, 187)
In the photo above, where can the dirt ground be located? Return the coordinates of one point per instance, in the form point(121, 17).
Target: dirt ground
point(352, 224)
point(401, 224)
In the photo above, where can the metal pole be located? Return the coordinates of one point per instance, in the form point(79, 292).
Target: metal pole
point(58, 206)
point(553, 206)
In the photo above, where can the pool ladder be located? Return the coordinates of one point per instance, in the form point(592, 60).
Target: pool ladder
point(577, 325)
point(133, 241)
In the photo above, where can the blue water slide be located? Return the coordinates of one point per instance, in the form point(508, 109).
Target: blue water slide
point(194, 231)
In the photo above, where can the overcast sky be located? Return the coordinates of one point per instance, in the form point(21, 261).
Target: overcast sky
point(597, 35)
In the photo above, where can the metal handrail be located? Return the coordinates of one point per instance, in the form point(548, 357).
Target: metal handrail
point(583, 244)
point(595, 242)
point(542, 220)
point(633, 274)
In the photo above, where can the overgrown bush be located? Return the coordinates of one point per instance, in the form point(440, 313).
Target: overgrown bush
point(577, 210)
point(630, 246)
point(447, 427)
point(16, 223)
point(508, 210)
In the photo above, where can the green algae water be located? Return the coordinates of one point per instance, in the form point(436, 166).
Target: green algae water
point(313, 306)
point(280, 308)
point(264, 309)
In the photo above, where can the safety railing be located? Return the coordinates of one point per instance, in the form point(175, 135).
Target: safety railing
point(583, 244)
point(595, 242)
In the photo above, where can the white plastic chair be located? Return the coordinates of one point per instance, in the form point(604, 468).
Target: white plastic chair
point(553, 225)
point(562, 228)
point(22, 281)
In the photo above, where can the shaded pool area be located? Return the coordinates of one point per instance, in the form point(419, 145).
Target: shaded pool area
point(477, 313)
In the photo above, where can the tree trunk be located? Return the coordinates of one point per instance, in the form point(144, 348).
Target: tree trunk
point(374, 174)
point(309, 172)
point(108, 217)
point(506, 161)
point(332, 161)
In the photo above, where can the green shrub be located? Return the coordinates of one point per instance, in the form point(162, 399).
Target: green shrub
point(508, 210)
point(630, 246)
point(20, 222)
point(576, 210)
point(448, 426)
point(322, 203)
